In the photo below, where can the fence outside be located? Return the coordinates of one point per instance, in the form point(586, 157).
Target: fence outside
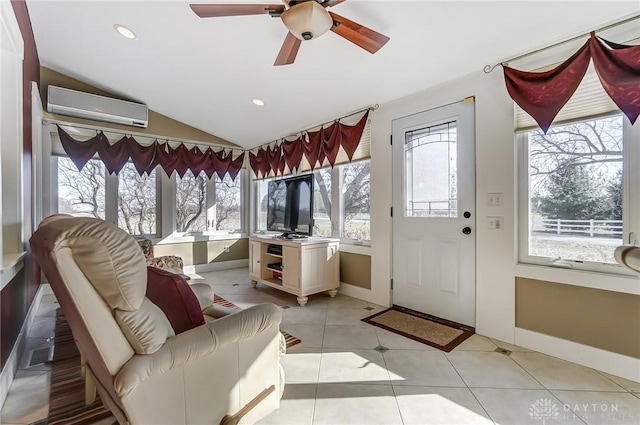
point(591, 228)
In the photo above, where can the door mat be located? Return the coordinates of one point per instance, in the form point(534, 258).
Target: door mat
point(439, 333)
point(290, 339)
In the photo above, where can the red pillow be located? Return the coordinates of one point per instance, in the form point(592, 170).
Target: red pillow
point(175, 298)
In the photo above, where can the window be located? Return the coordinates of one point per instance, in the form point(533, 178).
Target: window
point(81, 191)
point(322, 203)
point(356, 189)
point(137, 201)
point(228, 198)
point(191, 202)
point(340, 203)
point(576, 202)
point(431, 159)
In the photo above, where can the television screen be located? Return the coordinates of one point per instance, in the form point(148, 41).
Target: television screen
point(290, 205)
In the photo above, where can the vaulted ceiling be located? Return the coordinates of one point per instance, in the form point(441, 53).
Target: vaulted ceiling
point(204, 72)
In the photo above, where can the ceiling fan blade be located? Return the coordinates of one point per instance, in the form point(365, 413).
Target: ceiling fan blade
point(215, 10)
point(368, 39)
point(288, 51)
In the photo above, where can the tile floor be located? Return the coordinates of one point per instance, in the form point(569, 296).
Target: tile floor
point(335, 376)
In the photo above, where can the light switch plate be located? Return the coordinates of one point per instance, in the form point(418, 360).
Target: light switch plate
point(495, 223)
point(494, 199)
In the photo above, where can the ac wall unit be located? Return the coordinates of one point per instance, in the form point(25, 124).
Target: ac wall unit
point(90, 106)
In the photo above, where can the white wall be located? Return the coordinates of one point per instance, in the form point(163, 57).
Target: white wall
point(495, 153)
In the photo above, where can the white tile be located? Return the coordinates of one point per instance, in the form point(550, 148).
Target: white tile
point(310, 335)
point(424, 368)
point(296, 406)
point(305, 315)
point(597, 408)
point(557, 374)
point(28, 402)
point(439, 405)
point(490, 369)
point(627, 384)
point(356, 404)
point(337, 336)
point(42, 327)
point(394, 341)
point(344, 301)
point(522, 407)
point(353, 366)
point(347, 316)
point(476, 343)
point(302, 365)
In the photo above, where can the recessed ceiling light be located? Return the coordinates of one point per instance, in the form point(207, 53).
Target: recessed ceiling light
point(124, 31)
point(257, 102)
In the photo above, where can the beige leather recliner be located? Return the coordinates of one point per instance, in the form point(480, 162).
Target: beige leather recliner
point(144, 373)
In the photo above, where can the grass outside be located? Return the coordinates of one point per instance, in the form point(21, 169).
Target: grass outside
point(599, 250)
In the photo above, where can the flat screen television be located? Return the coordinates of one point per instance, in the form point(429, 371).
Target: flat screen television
point(290, 205)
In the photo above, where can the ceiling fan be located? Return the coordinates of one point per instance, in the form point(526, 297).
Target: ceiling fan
point(305, 20)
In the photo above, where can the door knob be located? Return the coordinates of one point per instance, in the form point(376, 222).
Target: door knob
point(466, 230)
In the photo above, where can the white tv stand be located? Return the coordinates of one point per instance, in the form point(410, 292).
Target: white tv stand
point(309, 265)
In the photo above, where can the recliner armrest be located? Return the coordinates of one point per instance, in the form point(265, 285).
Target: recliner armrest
point(196, 343)
point(628, 256)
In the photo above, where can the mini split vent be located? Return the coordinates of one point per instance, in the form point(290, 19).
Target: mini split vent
point(90, 106)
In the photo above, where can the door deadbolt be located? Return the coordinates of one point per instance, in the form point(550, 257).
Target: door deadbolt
point(466, 230)
point(466, 214)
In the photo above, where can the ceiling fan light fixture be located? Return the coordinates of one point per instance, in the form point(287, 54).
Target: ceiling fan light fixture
point(307, 20)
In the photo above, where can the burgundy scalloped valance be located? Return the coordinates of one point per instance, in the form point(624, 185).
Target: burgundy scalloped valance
point(146, 158)
point(543, 94)
point(315, 146)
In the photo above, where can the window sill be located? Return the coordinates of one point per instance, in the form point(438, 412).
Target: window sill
point(352, 248)
point(627, 284)
point(199, 238)
point(11, 265)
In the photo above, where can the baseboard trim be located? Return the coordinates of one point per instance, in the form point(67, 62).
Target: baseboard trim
point(596, 358)
point(212, 267)
point(11, 366)
point(355, 292)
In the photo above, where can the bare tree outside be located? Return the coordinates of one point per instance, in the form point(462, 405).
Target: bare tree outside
point(322, 203)
point(356, 190)
point(81, 191)
point(228, 204)
point(136, 201)
point(191, 202)
point(575, 190)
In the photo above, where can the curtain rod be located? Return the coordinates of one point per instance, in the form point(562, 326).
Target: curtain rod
point(138, 134)
point(488, 68)
point(369, 108)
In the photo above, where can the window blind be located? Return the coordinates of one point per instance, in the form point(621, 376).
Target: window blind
point(590, 99)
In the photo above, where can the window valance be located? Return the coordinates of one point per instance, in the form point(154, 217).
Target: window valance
point(146, 158)
point(543, 94)
point(317, 147)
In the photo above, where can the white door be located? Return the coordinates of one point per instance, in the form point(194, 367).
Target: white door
point(434, 212)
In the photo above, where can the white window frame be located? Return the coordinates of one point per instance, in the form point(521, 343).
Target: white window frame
point(211, 233)
point(337, 213)
point(631, 203)
point(110, 196)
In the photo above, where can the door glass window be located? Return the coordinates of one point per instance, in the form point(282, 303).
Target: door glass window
point(431, 171)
